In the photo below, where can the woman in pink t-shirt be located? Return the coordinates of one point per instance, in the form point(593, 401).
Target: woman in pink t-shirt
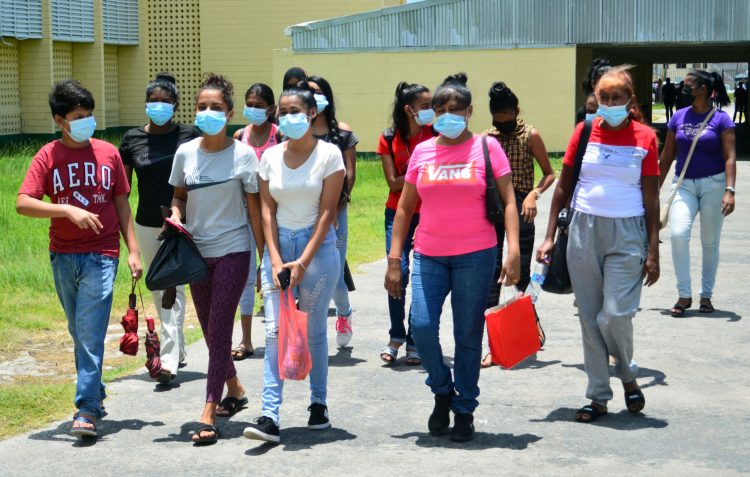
point(454, 252)
point(260, 134)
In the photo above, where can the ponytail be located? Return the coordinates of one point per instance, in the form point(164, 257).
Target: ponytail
point(713, 82)
point(406, 94)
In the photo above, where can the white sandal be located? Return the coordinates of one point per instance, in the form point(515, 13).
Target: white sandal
point(391, 352)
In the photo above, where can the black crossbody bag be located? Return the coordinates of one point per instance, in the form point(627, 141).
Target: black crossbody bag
point(558, 278)
point(492, 195)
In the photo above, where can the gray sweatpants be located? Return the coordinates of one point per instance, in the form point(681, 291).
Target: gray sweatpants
point(605, 260)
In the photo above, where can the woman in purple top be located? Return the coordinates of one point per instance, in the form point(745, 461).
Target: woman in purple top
point(708, 187)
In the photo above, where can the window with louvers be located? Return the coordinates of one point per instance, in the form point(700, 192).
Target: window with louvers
point(73, 20)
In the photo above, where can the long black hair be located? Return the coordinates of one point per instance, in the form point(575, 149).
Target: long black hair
point(406, 94)
point(453, 87)
point(713, 82)
point(302, 91)
point(166, 82)
point(292, 73)
point(330, 111)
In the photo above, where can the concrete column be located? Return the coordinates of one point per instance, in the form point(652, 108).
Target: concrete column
point(88, 66)
point(134, 74)
point(36, 78)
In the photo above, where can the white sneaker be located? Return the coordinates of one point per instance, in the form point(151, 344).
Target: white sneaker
point(344, 330)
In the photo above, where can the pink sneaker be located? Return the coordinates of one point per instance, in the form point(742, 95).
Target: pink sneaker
point(343, 330)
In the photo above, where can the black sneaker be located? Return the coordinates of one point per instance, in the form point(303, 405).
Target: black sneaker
point(264, 429)
point(463, 428)
point(440, 419)
point(318, 416)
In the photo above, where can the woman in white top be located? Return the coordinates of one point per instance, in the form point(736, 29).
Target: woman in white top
point(300, 182)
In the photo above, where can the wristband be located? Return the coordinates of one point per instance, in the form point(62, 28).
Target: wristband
point(299, 262)
point(729, 189)
point(393, 258)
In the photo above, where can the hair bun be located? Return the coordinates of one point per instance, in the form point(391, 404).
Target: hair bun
point(165, 76)
point(401, 87)
point(303, 85)
point(459, 78)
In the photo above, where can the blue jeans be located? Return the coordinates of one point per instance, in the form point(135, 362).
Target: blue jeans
point(341, 293)
point(467, 278)
point(697, 195)
point(84, 283)
point(396, 307)
point(314, 295)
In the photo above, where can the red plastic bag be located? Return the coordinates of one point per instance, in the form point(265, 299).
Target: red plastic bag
point(295, 361)
point(512, 331)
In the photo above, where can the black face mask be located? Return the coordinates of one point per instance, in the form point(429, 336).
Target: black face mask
point(687, 96)
point(505, 127)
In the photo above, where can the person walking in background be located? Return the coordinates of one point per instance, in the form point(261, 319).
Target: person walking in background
point(708, 186)
point(327, 128)
point(293, 75)
point(599, 66)
point(522, 144)
point(85, 181)
point(613, 236)
point(455, 251)
point(216, 193)
point(669, 95)
point(740, 102)
point(300, 183)
point(412, 115)
point(149, 151)
point(260, 134)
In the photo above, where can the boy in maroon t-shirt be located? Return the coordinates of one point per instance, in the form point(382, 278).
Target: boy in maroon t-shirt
point(85, 181)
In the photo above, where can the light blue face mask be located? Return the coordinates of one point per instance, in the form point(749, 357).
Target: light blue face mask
point(321, 101)
point(614, 115)
point(591, 116)
point(255, 116)
point(210, 122)
point(82, 129)
point(450, 125)
point(294, 126)
point(424, 116)
point(159, 113)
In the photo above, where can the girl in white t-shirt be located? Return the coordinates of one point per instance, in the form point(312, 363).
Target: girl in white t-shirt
point(300, 182)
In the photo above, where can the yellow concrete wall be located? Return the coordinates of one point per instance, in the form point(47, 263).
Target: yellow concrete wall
point(133, 72)
point(35, 78)
point(111, 86)
point(237, 37)
point(62, 61)
point(88, 67)
point(10, 103)
point(364, 84)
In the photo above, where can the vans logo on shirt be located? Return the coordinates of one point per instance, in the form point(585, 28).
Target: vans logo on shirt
point(449, 173)
point(76, 175)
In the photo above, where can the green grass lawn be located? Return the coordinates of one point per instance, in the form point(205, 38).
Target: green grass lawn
point(31, 311)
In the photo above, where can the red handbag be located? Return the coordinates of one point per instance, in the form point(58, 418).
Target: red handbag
point(512, 331)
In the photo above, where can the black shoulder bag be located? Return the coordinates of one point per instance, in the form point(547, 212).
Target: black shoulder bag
point(492, 196)
point(558, 279)
point(178, 260)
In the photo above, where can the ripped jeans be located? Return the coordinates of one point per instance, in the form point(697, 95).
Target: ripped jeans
point(314, 294)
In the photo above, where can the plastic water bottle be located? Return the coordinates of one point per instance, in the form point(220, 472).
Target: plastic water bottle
point(537, 278)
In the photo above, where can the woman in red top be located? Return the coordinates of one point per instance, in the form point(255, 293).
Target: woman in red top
point(412, 115)
point(260, 134)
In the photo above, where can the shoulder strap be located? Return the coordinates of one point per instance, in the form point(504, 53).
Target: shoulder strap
point(487, 163)
point(389, 134)
point(583, 142)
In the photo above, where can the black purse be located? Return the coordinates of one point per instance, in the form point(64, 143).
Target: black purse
point(178, 260)
point(558, 278)
point(492, 195)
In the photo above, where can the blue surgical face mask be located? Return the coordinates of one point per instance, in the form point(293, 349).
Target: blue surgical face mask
point(82, 129)
point(450, 125)
point(160, 113)
point(322, 102)
point(210, 122)
point(294, 126)
point(591, 116)
point(255, 116)
point(424, 116)
point(614, 115)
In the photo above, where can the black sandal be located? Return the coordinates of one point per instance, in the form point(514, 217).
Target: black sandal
point(678, 309)
point(706, 306)
point(202, 441)
point(232, 406)
point(635, 401)
point(592, 412)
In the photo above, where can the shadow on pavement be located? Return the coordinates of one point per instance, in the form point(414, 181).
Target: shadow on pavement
point(343, 358)
point(105, 428)
point(622, 421)
point(182, 377)
point(718, 314)
point(227, 428)
point(534, 364)
point(301, 438)
point(481, 441)
point(657, 377)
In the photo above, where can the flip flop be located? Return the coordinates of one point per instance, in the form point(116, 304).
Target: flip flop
point(240, 353)
point(83, 431)
point(591, 411)
point(485, 366)
point(202, 441)
point(706, 306)
point(678, 310)
point(232, 406)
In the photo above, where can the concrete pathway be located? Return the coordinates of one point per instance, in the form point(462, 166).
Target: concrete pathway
point(693, 372)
